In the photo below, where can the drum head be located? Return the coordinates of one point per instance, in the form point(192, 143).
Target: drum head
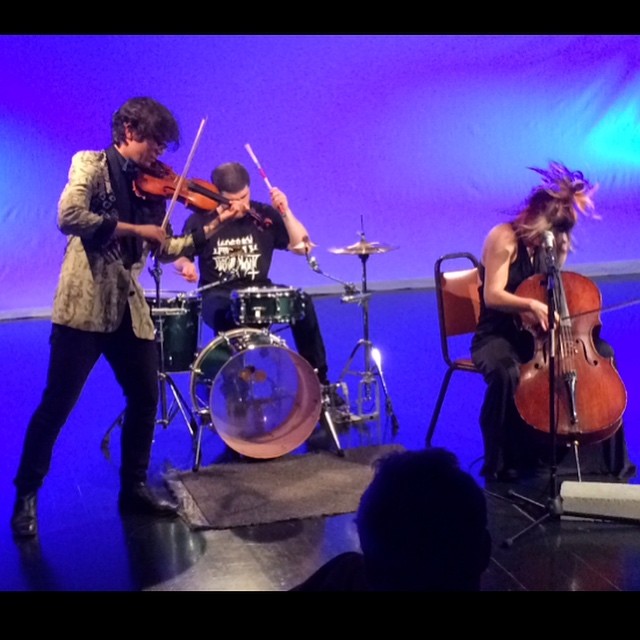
point(265, 401)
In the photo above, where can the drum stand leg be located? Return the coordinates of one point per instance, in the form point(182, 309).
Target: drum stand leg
point(166, 413)
point(179, 404)
point(327, 421)
point(368, 390)
point(106, 439)
point(205, 418)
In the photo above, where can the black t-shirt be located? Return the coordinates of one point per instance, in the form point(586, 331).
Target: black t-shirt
point(240, 251)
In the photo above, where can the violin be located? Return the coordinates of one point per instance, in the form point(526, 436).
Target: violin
point(161, 181)
point(589, 396)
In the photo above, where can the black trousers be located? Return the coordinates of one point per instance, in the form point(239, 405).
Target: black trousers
point(217, 314)
point(509, 443)
point(73, 354)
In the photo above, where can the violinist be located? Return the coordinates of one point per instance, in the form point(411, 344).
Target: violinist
point(99, 306)
point(512, 252)
point(239, 255)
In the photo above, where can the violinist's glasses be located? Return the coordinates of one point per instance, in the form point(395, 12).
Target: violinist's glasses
point(158, 146)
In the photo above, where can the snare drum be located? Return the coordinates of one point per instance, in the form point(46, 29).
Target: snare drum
point(179, 315)
point(261, 306)
point(263, 399)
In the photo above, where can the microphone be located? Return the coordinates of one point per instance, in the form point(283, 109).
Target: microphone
point(548, 240)
point(549, 246)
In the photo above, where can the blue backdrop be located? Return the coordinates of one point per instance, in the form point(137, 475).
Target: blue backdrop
point(423, 141)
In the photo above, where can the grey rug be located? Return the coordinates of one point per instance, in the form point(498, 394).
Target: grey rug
point(228, 495)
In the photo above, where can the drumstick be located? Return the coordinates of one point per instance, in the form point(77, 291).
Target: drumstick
point(306, 243)
point(262, 173)
point(260, 169)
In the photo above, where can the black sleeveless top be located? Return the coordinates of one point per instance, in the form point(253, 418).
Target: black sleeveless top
point(499, 323)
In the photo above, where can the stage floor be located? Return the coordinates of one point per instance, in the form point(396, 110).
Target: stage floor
point(84, 545)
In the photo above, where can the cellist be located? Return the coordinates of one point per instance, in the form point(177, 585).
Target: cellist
point(512, 252)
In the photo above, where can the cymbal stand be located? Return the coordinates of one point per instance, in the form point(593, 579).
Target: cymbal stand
point(166, 413)
point(368, 391)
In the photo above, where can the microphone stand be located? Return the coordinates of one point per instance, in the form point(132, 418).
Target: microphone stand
point(553, 506)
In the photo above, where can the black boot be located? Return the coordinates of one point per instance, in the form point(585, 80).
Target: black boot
point(24, 521)
point(139, 499)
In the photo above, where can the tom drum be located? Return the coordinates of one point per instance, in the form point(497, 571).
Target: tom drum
point(179, 315)
point(267, 305)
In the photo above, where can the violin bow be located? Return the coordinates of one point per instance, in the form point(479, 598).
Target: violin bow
point(615, 307)
point(183, 175)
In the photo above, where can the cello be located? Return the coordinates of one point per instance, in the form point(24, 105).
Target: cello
point(588, 394)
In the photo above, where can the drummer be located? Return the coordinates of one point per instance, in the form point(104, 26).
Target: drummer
point(238, 255)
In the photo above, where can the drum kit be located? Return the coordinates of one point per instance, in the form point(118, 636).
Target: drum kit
point(262, 399)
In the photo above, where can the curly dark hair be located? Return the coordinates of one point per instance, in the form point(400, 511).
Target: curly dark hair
point(149, 120)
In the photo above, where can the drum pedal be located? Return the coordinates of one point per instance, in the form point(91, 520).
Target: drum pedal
point(336, 399)
point(205, 417)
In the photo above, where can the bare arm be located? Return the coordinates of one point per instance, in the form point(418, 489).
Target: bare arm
point(498, 253)
point(299, 241)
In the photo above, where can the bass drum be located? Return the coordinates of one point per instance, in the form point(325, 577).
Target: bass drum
point(264, 400)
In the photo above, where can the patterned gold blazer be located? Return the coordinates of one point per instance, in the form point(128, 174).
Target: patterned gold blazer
point(94, 284)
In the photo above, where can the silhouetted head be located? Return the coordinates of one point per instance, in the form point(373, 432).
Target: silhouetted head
point(422, 524)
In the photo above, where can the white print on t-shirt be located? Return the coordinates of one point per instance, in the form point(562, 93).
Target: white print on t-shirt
point(238, 256)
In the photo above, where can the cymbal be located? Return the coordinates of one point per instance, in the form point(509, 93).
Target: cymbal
point(363, 248)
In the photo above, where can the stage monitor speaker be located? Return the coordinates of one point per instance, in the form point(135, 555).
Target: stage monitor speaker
point(601, 500)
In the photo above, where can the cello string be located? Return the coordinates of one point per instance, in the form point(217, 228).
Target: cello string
point(565, 331)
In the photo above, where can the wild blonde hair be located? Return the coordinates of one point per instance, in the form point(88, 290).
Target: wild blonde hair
point(556, 204)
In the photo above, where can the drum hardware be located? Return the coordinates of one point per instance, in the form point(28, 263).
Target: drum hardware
point(356, 297)
point(232, 274)
point(368, 400)
point(350, 289)
point(328, 422)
